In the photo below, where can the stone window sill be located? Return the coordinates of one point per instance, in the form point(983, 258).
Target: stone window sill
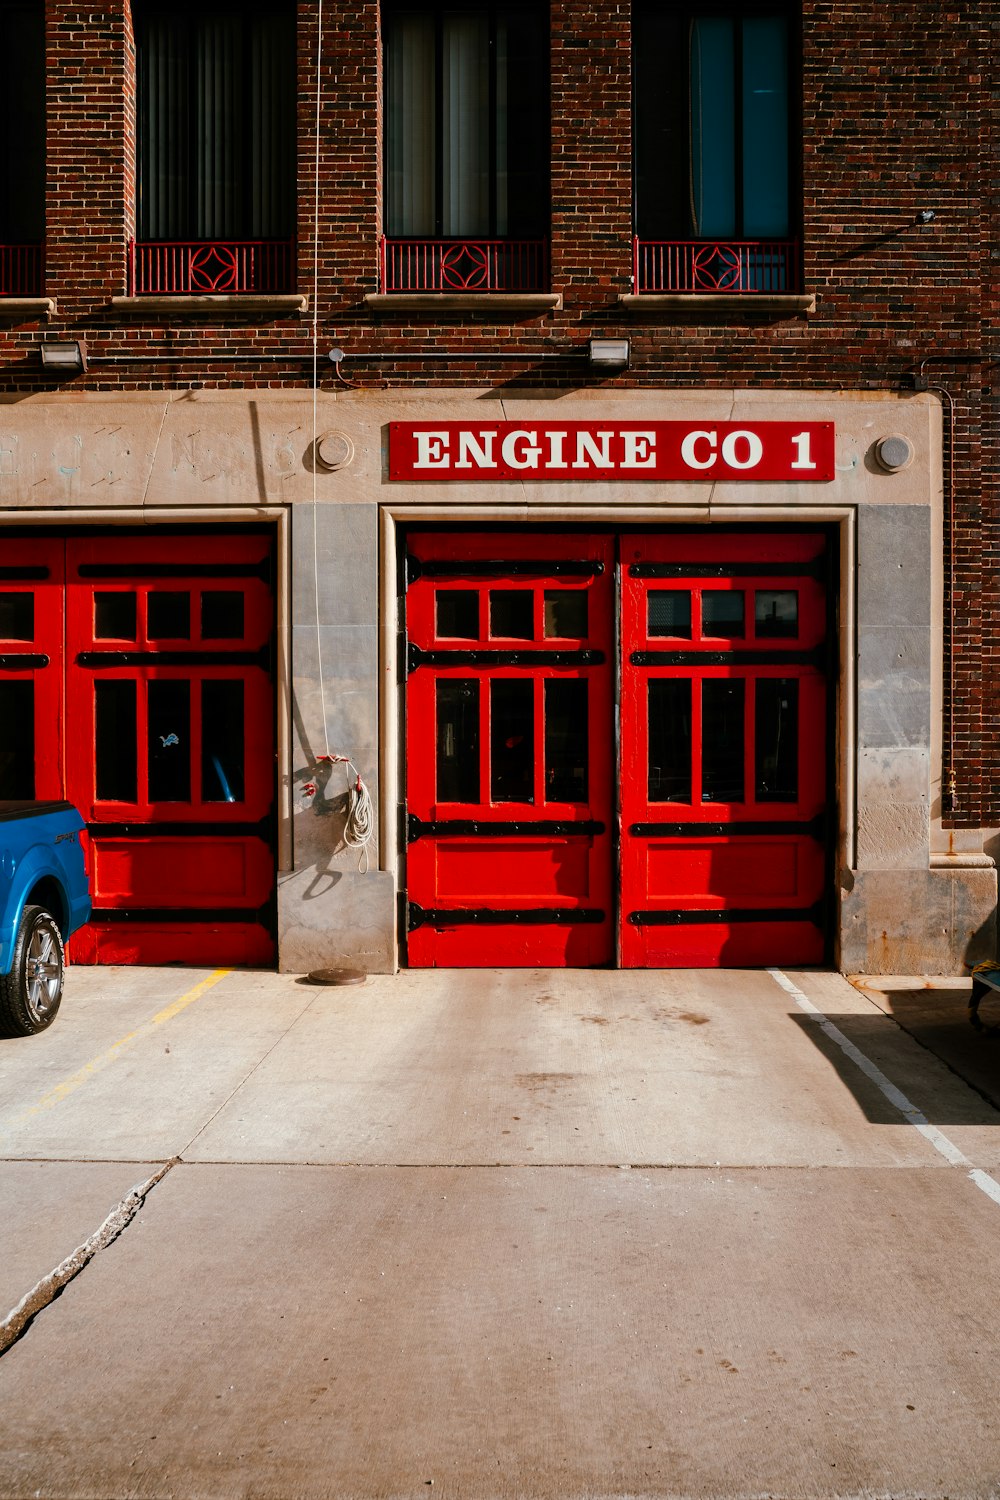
point(27, 307)
point(707, 303)
point(516, 302)
point(198, 304)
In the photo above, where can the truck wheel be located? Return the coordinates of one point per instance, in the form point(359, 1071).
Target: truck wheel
point(31, 992)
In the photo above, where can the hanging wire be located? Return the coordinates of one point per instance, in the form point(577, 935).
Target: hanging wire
point(315, 374)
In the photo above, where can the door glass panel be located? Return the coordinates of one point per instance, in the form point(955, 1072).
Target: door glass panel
point(566, 740)
point(722, 613)
point(222, 741)
point(512, 740)
point(669, 612)
point(114, 617)
point(512, 614)
point(169, 616)
point(222, 615)
point(776, 613)
point(458, 740)
point(722, 739)
point(169, 750)
point(17, 617)
point(17, 739)
point(566, 614)
point(777, 748)
point(115, 740)
point(669, 701)
point(458, 614)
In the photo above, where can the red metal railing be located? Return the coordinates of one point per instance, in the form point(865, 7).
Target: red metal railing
point(22, 270)
point(456, 265)
point(199, 266)
point(745, 266)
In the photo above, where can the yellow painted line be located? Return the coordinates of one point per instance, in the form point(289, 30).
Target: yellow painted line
point(76, 1080)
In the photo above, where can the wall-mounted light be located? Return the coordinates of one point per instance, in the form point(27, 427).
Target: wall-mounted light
point(64, 357)
point(926, 216)
point(608, 354)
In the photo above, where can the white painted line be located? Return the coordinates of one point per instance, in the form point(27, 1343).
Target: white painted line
point(895, 1096)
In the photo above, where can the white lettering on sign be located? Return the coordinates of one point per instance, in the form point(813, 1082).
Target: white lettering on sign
point(640, 450)
point(748, 444)
point(556, 442)
point(520, 450)
point(473, 451)
point(671, 451)
point(694, 445)
point(432, 450)
point(593, 449)
point(800, 442)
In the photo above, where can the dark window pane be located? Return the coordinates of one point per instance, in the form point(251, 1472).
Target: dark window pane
point(168, 616)
point(669, 701)
point(114, 617)
point(458, 741)
point(17, 617)
point(222, 741)
point(169, 748)
point(711, 136)
point(713, 127)
point(777, 749)
point(222, 615)
point(512, 740)
point(765, 128)
point(22, 131)
point(512, 614)
point(215, 123)
point(115, 736)
point(669, 612)
point(458, 614)
point(466, 122)
point(566, 614)
point(722, 740)
point(566, 740)
point(722, 614)
point(17, 739)
point(776, 613)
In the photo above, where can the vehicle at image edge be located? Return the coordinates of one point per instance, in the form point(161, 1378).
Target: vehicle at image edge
point(44, 897)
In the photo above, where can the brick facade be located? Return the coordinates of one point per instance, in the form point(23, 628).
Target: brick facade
point(899, 114)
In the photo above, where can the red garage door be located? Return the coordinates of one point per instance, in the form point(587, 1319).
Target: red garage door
point(689, 827)
point(142, 668)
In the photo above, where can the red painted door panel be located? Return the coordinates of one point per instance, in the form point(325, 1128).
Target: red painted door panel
point(723, 749)
point(509, 769)
point(171, 747)
point(31, 667)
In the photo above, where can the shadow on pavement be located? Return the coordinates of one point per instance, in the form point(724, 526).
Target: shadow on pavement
point(937, 1019)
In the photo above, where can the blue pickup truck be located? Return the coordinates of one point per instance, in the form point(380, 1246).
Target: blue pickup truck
point(44, 897)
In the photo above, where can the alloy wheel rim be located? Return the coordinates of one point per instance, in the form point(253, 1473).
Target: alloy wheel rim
point(43, 972)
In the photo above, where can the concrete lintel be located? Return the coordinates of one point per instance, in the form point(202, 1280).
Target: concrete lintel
point(517, 302)
point(723, 302)
point(197, 304)
point(962, 861)
point(27, 307)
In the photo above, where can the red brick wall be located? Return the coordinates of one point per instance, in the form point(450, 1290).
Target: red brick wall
point(898, 116)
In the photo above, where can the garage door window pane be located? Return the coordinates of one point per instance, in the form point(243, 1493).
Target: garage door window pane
point(458, 741)
point(17, 739)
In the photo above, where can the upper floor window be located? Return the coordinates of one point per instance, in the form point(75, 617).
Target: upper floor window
point(216, 137)
point(467, 122)
point(713, 90)
point(22, 133)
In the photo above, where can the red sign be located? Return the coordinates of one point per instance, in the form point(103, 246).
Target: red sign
point(765, 452)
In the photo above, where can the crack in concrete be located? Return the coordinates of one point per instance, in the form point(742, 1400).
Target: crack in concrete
point(45, 1291)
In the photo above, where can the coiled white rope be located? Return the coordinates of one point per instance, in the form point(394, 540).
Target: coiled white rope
point(359, 827)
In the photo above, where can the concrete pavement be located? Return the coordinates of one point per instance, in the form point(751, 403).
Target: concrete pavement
point(500, 1234)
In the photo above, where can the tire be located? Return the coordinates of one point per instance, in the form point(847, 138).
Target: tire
point(31, 992)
